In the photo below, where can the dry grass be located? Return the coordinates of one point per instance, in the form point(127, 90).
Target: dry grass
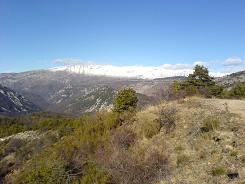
point(193, 153)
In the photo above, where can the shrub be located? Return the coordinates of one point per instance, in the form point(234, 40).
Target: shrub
point(151, 128)
point(243, 158)
point(124, 138)
point(234, 153)
point(50, 169)
point(182, 159)
point(217, 91)
point(167, 118)
point(179, 148)
point(126, 100)
point(91, 174)
point(126, 168)
point(217, 171)
point(238, 90)
point(210, 124)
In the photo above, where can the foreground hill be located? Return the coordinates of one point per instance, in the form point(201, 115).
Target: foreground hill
point(12, 103)
point(194, 140)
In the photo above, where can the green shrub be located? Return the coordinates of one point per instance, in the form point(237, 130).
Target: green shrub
point(182, 159)
point(217, 171)
point(217, 91)
point(126, 100)
point(48, 169)
point(91, 174)
point(151, 128)
point(238, 90)
point(210, 124)
point(179, 148)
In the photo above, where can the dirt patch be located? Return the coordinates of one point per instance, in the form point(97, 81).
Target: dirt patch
point(234, 106)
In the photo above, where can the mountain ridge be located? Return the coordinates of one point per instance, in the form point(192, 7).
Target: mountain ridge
point(12, 103)
point(73, 93)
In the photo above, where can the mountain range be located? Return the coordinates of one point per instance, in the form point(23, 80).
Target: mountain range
point(139, 72)
point(77, 90)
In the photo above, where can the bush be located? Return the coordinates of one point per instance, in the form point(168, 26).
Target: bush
point(91, 174)
point(126, 168)
point(126, 100)
point(210, 124)
point(149, 129)
point(50, 169)
point(238, 90)
point(217, 171)
point(124, 138)
point(217, 91)
point(167, 118)
point(182, 159)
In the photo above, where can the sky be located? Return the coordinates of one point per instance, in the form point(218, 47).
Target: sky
point(37, 34)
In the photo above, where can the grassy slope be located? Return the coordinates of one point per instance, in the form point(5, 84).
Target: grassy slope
point(195, 156)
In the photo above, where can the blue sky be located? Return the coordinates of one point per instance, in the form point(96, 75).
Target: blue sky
point(33, 34)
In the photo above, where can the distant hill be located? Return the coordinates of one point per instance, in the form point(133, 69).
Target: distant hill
point(68, 92)
point(13, 103)
point(231, 79)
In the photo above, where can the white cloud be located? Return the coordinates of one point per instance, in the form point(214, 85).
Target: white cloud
point(177, 66)
point(233, 61)
point(199, 63)
point(216, 68)
point(70, 61)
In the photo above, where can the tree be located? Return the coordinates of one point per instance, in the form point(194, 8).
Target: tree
point(200, 82)
point(126, 100)
point(200, 77)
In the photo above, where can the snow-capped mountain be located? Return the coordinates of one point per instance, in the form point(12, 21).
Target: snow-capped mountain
point(14, 103)
point(72, 93)
point(139, 72)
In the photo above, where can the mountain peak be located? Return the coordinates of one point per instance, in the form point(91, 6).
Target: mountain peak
point(140, 72)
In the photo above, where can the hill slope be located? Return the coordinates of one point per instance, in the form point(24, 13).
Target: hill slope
point(231, 79)
point(14, 103)
point(65, 92)
point(204, 145)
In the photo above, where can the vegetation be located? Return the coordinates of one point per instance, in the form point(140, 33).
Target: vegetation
point(197, 83)
point(126, 100)
point(149, 146)
point(237, 91)
point(217, 171)
point(160, 144)
point(202, 84)
point(210, 124)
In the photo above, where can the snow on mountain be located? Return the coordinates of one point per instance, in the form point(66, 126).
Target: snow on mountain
point(140, 72)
